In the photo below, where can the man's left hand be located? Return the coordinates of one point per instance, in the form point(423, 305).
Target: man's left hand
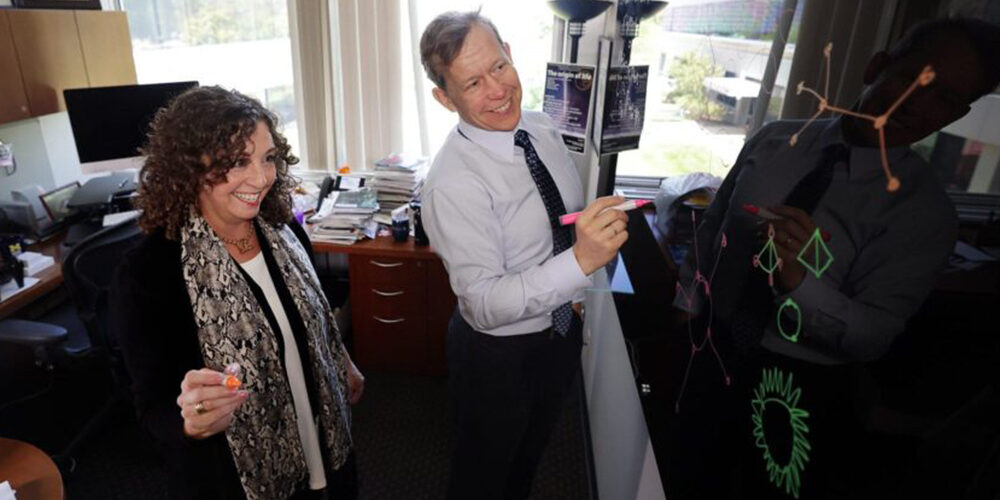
point(790, 235)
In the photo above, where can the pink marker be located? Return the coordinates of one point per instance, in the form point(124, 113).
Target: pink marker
point(761, 212)
point(568, 219)
point(766, 214)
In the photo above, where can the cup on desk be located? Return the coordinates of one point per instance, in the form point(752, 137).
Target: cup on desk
point(401, 230)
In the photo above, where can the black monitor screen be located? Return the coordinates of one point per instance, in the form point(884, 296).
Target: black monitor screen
point(110, 123)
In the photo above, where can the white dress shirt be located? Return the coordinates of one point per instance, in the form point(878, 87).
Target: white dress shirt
point(257, 269)
point(485, 218)
point(887, 247)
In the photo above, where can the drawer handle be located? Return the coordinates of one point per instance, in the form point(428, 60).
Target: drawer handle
point(389, 321)
point(388, 294)
point(386, 264)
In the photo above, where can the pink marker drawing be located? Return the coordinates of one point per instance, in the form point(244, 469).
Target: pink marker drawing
point(568, 219)
point(688, 294)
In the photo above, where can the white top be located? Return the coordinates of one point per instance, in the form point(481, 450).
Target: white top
point(257, 269)
point(486, 220)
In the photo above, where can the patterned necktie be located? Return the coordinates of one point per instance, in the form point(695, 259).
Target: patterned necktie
point(562, 238)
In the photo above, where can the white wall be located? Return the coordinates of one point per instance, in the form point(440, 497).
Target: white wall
point(45, 153)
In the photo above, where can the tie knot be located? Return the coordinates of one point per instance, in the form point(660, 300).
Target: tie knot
point(521, 139)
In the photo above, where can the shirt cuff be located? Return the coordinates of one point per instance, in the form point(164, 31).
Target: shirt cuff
point(566, 276)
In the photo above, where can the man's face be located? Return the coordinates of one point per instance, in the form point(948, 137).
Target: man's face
point(958, 77)
point(482, 84)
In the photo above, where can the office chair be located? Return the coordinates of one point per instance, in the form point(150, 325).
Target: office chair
point(87, 270)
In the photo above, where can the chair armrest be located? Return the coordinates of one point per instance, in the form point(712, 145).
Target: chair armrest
point(30, 333)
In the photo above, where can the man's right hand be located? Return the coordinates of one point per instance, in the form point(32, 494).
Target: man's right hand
point(599, 233)
point(218, 403)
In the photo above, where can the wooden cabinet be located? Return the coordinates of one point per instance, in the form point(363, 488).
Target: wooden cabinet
point(53, 50)
point(401, 303)
point(13, 100)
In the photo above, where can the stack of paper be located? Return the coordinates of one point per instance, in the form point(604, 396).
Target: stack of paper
point(345, 217)
point(397, 179)
point(34, 262)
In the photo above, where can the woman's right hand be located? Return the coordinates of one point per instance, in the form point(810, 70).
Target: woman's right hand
point(218, 403)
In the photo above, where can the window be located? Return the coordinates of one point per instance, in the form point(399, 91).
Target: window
point(236, 45)
point(525, 24)
point(706, 60)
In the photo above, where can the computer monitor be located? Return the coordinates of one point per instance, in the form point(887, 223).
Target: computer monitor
point(56, 202)
point(110, 123)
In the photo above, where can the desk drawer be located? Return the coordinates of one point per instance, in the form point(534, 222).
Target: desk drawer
point(390, 301)
point(394, 343)
point(369, 271)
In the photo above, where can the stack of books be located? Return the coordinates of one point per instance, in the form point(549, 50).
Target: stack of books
point(346, 217)
point(397, 178)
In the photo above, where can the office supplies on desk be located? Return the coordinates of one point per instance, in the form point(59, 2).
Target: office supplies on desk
point(98, 192)
point(35, 262)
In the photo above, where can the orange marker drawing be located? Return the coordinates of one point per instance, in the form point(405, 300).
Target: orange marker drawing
point(925, 78)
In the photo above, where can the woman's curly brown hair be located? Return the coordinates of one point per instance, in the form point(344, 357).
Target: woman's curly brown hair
point(205, 125)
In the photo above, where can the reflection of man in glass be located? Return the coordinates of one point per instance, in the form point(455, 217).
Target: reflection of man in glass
point(886, 249)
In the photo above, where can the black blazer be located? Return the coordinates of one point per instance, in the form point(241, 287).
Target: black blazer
point(152, 318)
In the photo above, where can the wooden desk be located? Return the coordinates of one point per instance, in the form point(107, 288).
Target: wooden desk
point(48, 280)
point(401, 303)
point(31, 472)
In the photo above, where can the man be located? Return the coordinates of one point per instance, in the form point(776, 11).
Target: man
point(886, 249)
point(886, 246)
point(491, 205)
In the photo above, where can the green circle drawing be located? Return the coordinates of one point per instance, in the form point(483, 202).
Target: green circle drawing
point(776, 389)
point(794, 337)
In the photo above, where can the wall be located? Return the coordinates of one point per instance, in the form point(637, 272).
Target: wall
point(45, 153)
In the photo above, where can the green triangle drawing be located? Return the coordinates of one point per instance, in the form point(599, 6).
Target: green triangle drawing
point(822, 257)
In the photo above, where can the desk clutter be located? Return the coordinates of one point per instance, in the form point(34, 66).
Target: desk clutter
point(384, 197)
point(345, 217)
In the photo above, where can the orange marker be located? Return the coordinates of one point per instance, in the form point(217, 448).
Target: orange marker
point(231, 380)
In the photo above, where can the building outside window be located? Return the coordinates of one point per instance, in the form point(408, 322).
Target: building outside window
point(237, 45)
point(706, 59)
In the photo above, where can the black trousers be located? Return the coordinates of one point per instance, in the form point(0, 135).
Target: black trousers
point(506, 394)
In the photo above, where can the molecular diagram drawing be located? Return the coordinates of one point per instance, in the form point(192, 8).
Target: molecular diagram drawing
point(777, 397)
point(704, 283)
point(925, 77)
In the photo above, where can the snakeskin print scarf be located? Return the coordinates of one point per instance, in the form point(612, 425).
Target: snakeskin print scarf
point(232, 327)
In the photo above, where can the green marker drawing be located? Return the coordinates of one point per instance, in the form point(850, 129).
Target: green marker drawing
point(789, 303)
point(822, 257)
point(777, 390)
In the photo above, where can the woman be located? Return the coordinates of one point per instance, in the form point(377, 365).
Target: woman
point(220, 278)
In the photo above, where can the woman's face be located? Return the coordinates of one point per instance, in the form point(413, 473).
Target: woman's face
point(238, 198)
